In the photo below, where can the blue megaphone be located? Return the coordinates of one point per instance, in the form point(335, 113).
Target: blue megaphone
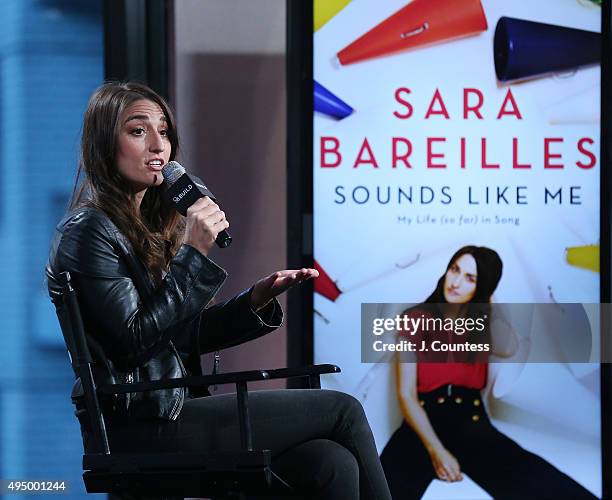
point(526, 49)
point(329, 104)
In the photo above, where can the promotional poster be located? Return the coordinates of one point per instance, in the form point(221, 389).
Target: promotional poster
point(441, 124)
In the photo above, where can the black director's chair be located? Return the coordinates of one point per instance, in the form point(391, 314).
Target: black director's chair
point(231, 474)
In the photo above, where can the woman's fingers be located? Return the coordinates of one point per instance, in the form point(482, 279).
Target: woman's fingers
point(454, 476)
point(299, 274)
point(278, 282)
point(310, 273)
point(453, 473)
point(445, 475)
point(204, 222)
point(220, 226)
point(442, 475)
point(205, 205)
point(455, 470)
point(219, 215)
point(448, 469)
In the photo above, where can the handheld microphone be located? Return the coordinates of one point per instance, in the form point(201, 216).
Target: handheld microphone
point(183, 190)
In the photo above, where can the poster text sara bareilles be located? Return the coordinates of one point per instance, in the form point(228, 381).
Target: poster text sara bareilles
point(470, 154)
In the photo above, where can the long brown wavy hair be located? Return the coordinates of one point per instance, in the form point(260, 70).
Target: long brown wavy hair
point(155, 231)
point(489, 268)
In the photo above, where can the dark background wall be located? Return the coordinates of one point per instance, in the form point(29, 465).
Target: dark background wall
point(229, 95)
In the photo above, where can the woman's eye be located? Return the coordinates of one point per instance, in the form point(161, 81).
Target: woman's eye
point(164, 133)
point(137, 131)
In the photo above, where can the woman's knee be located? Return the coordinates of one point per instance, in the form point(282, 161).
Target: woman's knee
point(348, 405)
point(320, 466)
point(333, 464)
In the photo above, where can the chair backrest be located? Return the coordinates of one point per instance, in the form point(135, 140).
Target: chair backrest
point(71, 323)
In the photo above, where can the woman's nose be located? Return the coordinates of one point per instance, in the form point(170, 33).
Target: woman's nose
point(157, 143)
point(456, 282)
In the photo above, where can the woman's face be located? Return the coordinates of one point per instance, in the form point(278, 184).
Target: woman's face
point(143, 147)
point(460, 280)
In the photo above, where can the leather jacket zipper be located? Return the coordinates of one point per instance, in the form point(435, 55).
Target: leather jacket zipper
point(178, 406)
point(216, 365)
point(129, 379)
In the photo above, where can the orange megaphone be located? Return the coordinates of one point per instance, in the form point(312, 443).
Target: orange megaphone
point(421, 22)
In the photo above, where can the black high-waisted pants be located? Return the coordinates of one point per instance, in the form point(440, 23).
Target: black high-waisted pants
point(320, 440)
point(493, 460)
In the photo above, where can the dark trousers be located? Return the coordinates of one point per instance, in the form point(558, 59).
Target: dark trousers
point(321, 440)
point(494, 461)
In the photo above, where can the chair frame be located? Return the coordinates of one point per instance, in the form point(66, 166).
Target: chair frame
point(231, 474)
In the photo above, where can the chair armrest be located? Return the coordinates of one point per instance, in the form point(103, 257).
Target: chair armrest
point(238, 378)
point(302, 371)
point(220, 379)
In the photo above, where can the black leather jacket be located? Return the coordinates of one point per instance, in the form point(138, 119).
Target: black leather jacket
point(137, 331)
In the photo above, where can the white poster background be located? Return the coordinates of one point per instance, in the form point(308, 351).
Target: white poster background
point(554, 409)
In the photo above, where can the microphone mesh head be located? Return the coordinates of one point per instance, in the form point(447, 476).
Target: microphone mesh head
point(172, 171)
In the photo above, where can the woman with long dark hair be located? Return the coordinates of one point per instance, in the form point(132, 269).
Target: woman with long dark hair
point(446, 429)
point(144, 279)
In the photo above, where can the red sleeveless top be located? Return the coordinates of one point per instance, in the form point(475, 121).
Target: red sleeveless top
point(430, 376)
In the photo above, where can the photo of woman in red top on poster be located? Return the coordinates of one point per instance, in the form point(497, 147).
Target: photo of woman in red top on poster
point(446, 430)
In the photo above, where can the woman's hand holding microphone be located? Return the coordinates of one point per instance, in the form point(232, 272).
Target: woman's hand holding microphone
point(205, 220)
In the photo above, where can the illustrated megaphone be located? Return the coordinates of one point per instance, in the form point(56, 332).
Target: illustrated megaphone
point(324, 10)
point(324, 285)
point(526, 49)
point(329, 104)
point(585, 257)
point(421, 22)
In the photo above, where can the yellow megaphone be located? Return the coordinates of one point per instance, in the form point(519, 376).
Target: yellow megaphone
point(585, 257)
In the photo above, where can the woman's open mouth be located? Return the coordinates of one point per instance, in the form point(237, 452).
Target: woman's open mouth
point(155, 165)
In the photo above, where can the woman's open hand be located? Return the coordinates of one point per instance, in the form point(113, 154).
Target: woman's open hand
point(446, 465)
point(275, 284)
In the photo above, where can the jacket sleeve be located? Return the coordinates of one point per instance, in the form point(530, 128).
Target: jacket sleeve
point(132, 329)
point(234, 322)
